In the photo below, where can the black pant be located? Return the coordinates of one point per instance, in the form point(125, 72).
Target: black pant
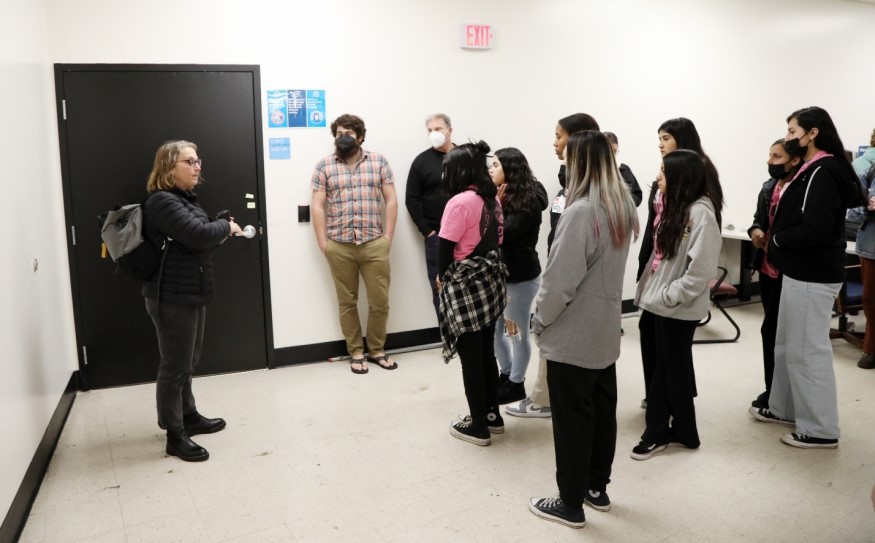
point(670, 398)
point(770, 295)
point(479, 370)
point(584, 406)
point(647, 332)
point(180, 331)
point(431, 266)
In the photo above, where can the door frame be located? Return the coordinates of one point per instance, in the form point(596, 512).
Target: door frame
point(66, 183)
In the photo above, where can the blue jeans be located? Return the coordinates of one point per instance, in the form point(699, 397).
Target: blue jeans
point(804, 382)
point(513, 355)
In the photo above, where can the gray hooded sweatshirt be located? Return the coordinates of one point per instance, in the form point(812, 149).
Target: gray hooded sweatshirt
point(679, 287)
point(578, 308)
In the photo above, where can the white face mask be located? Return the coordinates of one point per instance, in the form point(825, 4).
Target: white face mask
point(437, 139)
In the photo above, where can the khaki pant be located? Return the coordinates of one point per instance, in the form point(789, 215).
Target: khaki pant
point(371, 260)
point(540, 393)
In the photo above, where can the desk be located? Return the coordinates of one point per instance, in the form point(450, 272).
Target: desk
point(744, 282)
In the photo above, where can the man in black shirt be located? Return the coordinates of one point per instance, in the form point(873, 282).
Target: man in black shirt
point(425, 201)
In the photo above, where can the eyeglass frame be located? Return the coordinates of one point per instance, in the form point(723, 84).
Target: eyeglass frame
point(192, 162)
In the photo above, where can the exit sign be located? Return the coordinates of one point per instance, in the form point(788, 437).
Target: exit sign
point(477, 36)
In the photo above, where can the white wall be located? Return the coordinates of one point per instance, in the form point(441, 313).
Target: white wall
point(731, 66)
point(39, 351)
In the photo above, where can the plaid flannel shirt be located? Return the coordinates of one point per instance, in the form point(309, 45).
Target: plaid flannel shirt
point(473, 296)
point(354, 204)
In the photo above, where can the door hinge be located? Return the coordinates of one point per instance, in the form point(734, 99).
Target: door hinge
point(84, 355)
point(64, 109)
point(73, 233)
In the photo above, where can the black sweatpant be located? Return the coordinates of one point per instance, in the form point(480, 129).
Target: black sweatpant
point(647, 333)
point(770, 295)
point(670, 398)
point(479, 370)
point(584, 406)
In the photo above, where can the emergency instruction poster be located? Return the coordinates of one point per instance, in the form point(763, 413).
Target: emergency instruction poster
point(296, 108)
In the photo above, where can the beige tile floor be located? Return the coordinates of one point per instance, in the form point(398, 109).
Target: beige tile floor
point(315, 453)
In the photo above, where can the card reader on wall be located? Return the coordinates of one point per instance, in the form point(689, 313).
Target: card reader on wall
point(303, 213)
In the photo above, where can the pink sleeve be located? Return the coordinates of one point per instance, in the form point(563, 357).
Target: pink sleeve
point(453, 221)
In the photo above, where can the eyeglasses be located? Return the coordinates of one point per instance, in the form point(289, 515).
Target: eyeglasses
point(192, 162)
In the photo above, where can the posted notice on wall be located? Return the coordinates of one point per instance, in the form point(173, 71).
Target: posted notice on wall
point(296, 108)
point(279, 149)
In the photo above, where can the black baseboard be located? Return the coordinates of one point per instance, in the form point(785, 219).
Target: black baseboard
point(317, 352)
point(16, 518)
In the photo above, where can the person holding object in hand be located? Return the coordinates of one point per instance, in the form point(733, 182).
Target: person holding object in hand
point(177, 295)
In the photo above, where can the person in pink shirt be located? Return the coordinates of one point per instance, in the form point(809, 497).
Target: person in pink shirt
point(472, 283)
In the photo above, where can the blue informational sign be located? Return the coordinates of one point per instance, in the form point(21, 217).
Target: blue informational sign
point(296, 108)
point(277, 109)
point(279, 148)
point(315, 108)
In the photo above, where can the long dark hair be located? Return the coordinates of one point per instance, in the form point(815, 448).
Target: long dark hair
point(828, 140)
point(592, 173)
point(687, 137)
point(520, 195)
point(685, 182)
point(464, 166)
point(577, 122)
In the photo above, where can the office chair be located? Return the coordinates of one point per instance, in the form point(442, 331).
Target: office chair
point(849, 302)
point(721, 291)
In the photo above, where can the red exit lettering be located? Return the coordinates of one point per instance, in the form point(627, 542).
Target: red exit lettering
point(478, 35)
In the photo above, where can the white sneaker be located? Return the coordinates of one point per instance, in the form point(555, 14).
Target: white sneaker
point(528, 408)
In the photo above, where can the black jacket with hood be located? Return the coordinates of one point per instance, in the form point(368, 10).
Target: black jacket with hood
point(807, 241)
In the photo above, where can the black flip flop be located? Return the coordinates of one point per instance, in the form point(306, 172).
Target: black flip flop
point(358, 361)
point(376, 360)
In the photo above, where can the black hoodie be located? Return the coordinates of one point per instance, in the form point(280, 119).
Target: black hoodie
point(807, 240)
point(521, 230)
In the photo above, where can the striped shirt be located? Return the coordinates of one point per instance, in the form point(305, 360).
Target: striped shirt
point(354, 204)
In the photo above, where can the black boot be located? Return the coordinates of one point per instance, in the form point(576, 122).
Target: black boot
point(195, 424)
point(179, 444)
point(511, 392)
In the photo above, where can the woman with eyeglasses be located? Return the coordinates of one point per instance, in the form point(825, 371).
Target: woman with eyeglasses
point(177, 295)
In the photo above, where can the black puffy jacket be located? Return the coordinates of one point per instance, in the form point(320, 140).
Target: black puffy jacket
point(187, 276)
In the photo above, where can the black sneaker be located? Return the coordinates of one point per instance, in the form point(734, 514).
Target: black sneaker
point(867, 362)
point(762, 401)
point(597, 500)
point(503, 378)
point(644, 450)
point(555, 510)
point(494, 422)
point(470, 431)
point(510, 392)
point(764, 415)
point(809, 442)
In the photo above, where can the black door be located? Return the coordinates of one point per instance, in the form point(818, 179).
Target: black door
point(112, 119)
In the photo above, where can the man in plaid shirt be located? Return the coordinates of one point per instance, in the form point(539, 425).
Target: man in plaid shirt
point(350, 188)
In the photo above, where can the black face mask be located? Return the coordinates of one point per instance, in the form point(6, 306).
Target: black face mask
point(777, 171)
point(345, 145)
point(794, 149)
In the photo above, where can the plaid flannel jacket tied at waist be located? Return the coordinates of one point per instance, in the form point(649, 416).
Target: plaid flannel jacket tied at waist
point(473, 296)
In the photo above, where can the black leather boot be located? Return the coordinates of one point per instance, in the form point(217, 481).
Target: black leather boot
point(179, 444)
point(195, 424)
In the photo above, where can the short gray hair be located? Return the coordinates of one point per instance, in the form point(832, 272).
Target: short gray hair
point(440, 116)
